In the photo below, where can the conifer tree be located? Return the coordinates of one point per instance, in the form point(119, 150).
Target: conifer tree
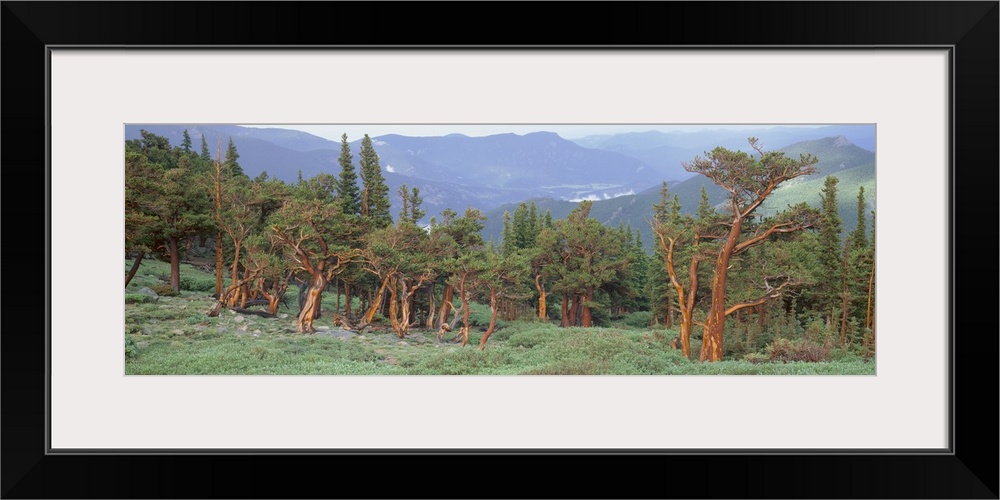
point(230, 164)
point(375, 203)
point(347, 186)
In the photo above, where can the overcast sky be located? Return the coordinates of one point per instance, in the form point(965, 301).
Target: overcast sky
point(566, 131)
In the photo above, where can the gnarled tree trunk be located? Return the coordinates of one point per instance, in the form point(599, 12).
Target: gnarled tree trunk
point(711, 343)
point(133, 269)
point(376, 302)
point(542, 313)
point(493, 318)
point(445, 304)
point(311, 306)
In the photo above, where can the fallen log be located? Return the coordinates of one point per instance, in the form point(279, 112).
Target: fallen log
point(254, 312)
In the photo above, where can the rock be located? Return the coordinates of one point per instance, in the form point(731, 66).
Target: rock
point(256, 333)
point(361, 337)
point(239, 319)
point(149, 292)
point(283, 316)
point(323, 328)
point(177, 332)
point(231, 311)
point(243, 328)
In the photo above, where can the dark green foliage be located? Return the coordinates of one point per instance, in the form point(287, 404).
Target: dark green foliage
point(205, 155)
point(508, 243)
point(416, 213)
point(138, 298)
point(859, 236)
point(347, 186)
point(131, 349)
point(638, 319)
point(375, 202)
point(230, 164)
point(197, 283)
point(705, 210)
point(829, 246)
point(186, 142)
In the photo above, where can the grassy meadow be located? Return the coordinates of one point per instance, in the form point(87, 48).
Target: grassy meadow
point(173, 335)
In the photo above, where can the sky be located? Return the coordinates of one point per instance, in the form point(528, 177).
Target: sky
point(566, 131)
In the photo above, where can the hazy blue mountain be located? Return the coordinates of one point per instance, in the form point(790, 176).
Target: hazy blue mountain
point(453, 170)
point(496, 172)
point(666, 150)
point(543, 163)
point(293, 140)
point(854, 166)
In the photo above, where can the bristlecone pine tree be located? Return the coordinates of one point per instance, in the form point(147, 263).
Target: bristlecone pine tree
point(749, 179)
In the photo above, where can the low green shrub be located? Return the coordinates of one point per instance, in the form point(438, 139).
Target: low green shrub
point(757, 358)
point(196, 283)
point(163, 290)
point(131, 349)
point(137, 298)
point(784, 351)
point(639, 319)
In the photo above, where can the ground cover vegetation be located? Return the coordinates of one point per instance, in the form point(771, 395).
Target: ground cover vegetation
point(225, 274)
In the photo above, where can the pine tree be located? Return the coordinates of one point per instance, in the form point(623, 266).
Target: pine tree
point(415, 201)
point(186, 142)
point(347, 186)
point(830, 249)
point(750, 179)
point(523, 237)
point(507, 239)
point(548, 218)
point(705, 209)
point(404, 195)
point(860, 234)
point(533, 222)
point(230, 164)
point(206, 156)
point(375, 203)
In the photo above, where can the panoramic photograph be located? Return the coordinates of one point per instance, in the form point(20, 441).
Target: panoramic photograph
point(501, 249)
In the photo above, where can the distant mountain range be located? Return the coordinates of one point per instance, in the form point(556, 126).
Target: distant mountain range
point(666, 150)
point(622, 172)
point(854, 167)
point(453, 171)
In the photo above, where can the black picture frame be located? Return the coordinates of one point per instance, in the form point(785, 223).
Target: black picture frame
point(969, 471)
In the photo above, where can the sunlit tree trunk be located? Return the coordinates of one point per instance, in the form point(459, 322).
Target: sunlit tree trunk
point(397, 326)
point(377, 301)
point(711, 343)
point(311, 306)
point(493, 318)
point(134, 269)
point(175, 265)
point(585, 320)
point(446, 299)
point(465, 312)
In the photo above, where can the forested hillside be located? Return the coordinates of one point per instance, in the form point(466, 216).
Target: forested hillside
point(734, 271)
